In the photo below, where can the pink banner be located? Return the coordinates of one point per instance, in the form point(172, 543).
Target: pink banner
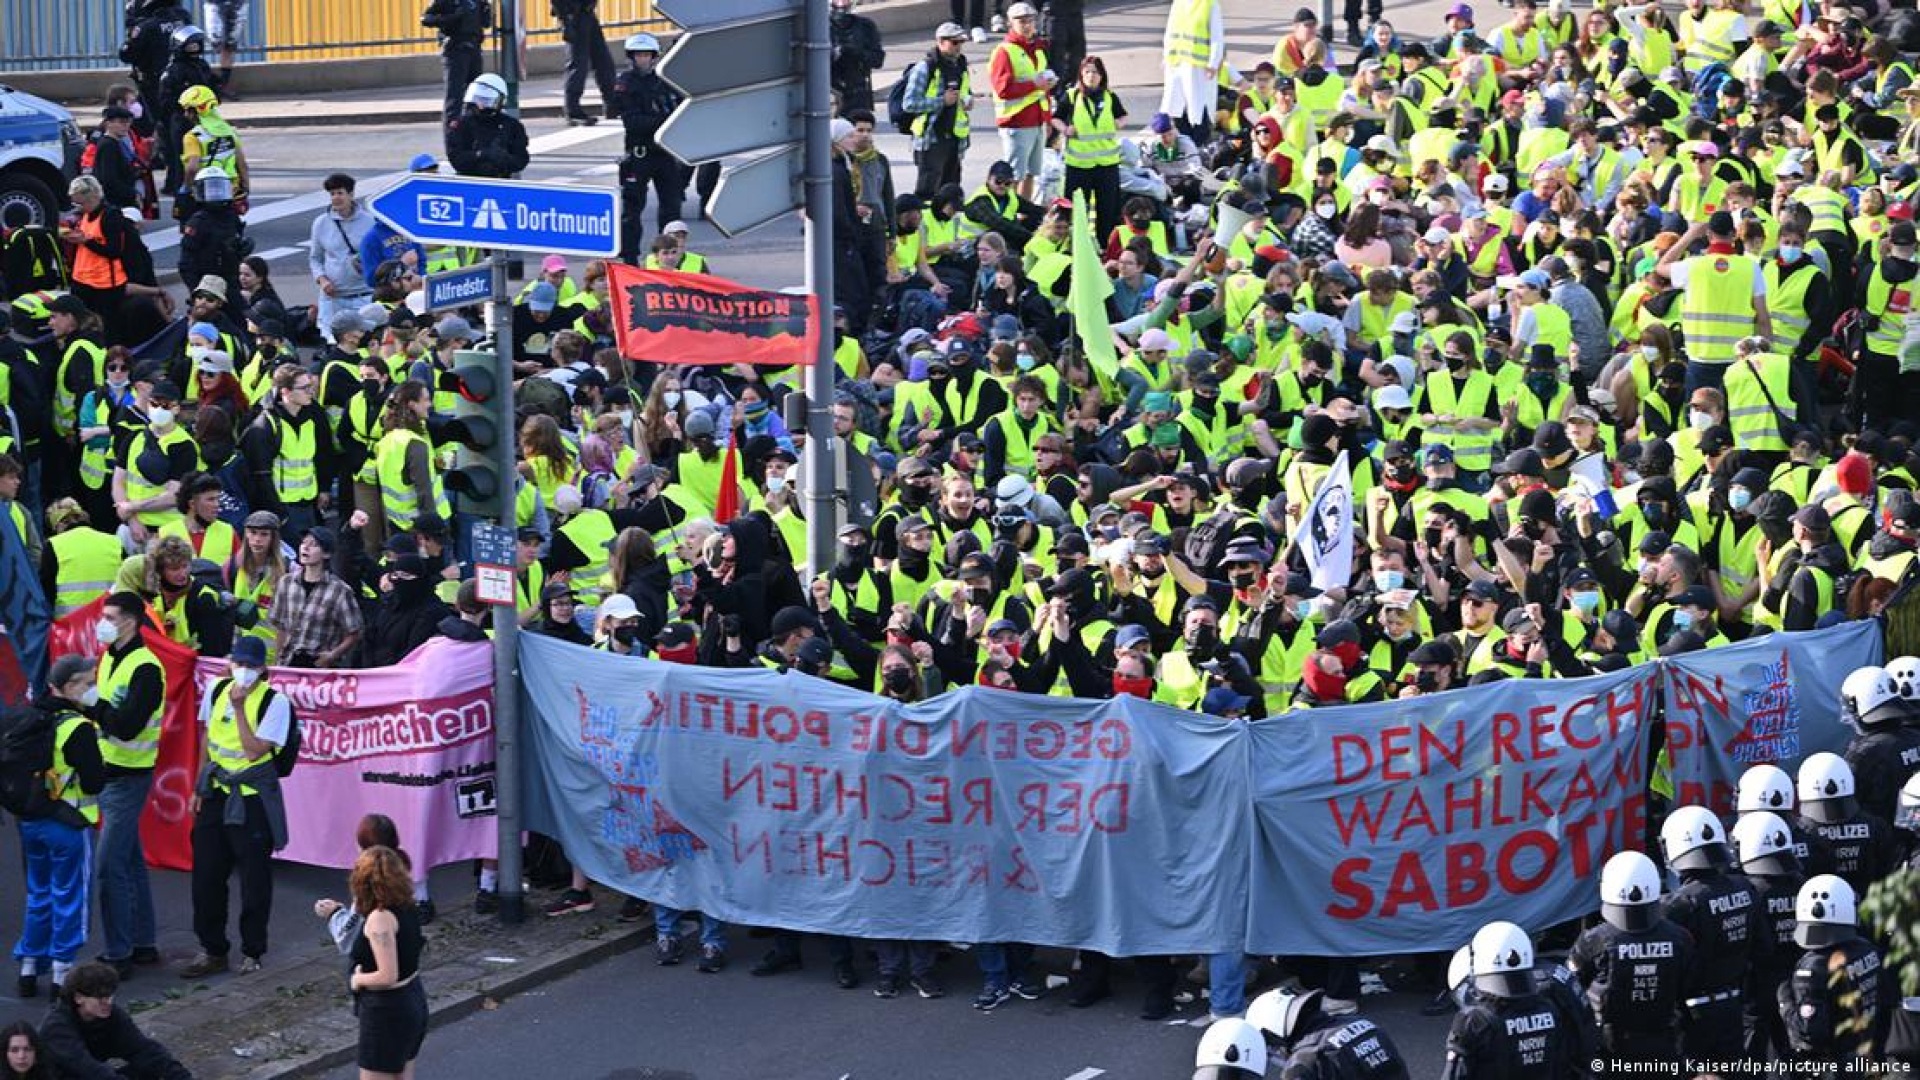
point(413, 741)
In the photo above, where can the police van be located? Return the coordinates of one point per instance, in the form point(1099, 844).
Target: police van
point(39, 153)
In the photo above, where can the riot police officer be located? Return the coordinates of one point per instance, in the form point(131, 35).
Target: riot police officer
point(1764, 843)
point(485, 140)
point(1721, 913)
point(1768, 789)
point(1231, 1049)
point(1831, 1003)
point(462, 25)
point(1308, 1042)
point(1906, 818)
point(1862, 843)
point(1884, 751)
point(212, 241)
point(1633, 964)
point(1508, 1031)
point(644, 101)
point(187, 67)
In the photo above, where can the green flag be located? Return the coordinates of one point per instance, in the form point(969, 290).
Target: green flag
point(1087, 294)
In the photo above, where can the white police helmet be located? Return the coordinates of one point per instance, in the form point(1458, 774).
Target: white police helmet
point(1906, 811)
point(1693, 839)
point(1826, 788)
point(1460, 976)
point(489, 91)
point(1765, 787)
point(643, 43)
point(1502, 962)
point(1905, 671)
point(212, 185)
point(1764, 844)
point(1824, 912)
point(1231, 1049)
point(1870, 697)
point(1279, 1013)
point(1630, 892)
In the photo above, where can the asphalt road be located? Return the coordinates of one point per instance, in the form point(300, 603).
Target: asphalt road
point(628, 1019)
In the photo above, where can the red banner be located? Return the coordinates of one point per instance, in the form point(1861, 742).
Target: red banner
point(166, 827)
point(667, 317)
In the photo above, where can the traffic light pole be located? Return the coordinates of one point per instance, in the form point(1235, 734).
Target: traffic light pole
point(820, 504)
point(506, 620)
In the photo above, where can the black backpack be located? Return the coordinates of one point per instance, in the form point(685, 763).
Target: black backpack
point(1207, 541)
point(32, 261)
point(897, 113)
point(285, 758)
point(26, 760)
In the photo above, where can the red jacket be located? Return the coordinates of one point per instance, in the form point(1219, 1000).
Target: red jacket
point(1006, 87)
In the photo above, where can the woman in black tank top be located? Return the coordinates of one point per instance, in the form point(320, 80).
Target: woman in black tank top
point(388, 997)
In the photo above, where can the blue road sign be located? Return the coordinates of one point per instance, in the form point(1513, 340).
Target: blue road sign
point(508, 215)
point(458, 288)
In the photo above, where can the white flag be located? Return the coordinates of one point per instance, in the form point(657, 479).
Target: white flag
point(1327, 541)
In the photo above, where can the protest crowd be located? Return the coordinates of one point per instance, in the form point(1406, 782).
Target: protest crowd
point(1562, 342)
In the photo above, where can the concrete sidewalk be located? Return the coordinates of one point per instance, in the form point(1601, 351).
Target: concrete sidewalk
point(296, 1018)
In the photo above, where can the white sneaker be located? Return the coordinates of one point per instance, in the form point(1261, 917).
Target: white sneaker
point(979, 35)
point(1339, 1006)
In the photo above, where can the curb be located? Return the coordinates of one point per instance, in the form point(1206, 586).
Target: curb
point(475, 994)
point(298, 119)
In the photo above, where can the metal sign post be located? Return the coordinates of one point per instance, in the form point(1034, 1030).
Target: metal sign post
point(506, 620)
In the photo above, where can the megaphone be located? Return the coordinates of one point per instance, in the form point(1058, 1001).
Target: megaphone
point(1230, 220)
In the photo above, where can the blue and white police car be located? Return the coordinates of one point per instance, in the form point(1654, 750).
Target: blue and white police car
point(39, 153)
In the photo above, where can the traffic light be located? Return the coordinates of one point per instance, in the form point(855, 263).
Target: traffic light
point(476, 428)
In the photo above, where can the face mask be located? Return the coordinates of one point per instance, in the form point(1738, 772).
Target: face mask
point(1303, 610)
point(91, 697)
point(1433, 537)
point(1024, 361)
point(1650, 352)
point(1389, 580)
point(684, 654)
point(777, 483)
point(1427, 681)
point(1682, 619)
point(1326, 210)
point(1542, 385)
point(626, 635)
point(1455, 362)
point(1586, 601)
point(1655, 515)
point(1245, 580)
point(1739, 498)
point(915, 496)
point(1789, 252)
point(118, 386)
point(897, 679)
point(1699, 420)
point(671, 399)
point(1140, 688)
point(105, 632)
point(159, 417)
point(1203, 638)
point(1377, 197)
point(245, 677)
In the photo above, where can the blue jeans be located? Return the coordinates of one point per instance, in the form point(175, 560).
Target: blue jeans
point(58, 857)
point(1227, 983)
point(666, 922)
point(1003, 965)
point(126, 897)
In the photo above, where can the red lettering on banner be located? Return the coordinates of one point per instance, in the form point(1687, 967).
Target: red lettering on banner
point(729, 786)
point(885, 852)
point(1506, 731)
point(1022, 878)
point(783, 780)
point(1510, 876)
point(1341, 774)
point(1032, 801)
point(938, 798)
point(1463, 801)
point(1118, 821)
point(743, 852)
point(830, 852)
point(897, 781)
point(843, 795)
point(1366, 818)
point(1537, 732)
point(1405, 752)
point(1466, 874)
point(1347, 885)
point(1407, 886)
point(1415, 813)
point(977, 795)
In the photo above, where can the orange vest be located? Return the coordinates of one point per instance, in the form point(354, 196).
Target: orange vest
point(90, 268)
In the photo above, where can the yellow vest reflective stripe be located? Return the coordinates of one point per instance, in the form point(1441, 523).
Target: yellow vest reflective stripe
point(1520, 49)
point(1376, 322)
point(1019, 456)
point(217, 544)
point(66, 403)
point(1472, 451)
point(1754, 421)
point(219, 145)
point(1712, 40)
point(1096, 135)
point(591, 531)
point(1717, 308)
point(968, 229)
point(295, 478)
point(1177, 682)
point(1890, 305)
point(1319, 102)
point(1189, 40)
point(962, 123)
point(398, 498)
point(223, 732)
point(1026, 68)
point(1787, 302)
point(64, 778)
point(1553, 327)
point(259, 592)
point(113, 679)
point(139, 488)
point(1829, 208)
point(86, 561)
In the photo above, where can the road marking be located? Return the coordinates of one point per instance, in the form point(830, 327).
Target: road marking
point(1087, 1073)
point(162, 239)
point(602, 170)
point(282, 252)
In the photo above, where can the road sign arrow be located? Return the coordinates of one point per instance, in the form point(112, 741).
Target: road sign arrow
point(759, 191)
point(757, 118)
point(508, 215)
point(700, 14)
point(720, 59)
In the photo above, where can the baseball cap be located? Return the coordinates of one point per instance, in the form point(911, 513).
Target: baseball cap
point(1482, 590)
point(948, 31)
point(422, 162)
point(453, 328)
point(542, 297)
point(1130, 636)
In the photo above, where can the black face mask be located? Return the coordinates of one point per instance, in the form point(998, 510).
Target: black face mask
point(626, 635)
point(1427, 681)
point(1402, 473)
point(1432, 536)
point(897, 679)
point(981, 594)
point(1202, 639)
point(1310, 378)
point(914, 561)
point(372, 386)
point(853, 557)
point(1655, 515)
point(914, 495)
point(1456, 363)
point(1244, 581)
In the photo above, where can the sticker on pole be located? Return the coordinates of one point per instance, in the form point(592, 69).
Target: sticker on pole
point(493, 563)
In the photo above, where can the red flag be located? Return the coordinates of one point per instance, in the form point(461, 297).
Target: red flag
point(668, 317)
point(726, 505)
point(166, 826)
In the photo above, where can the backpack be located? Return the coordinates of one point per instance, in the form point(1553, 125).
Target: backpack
point(538, 395)
point(26, 759)
point(1207, 541)
point(32, 261)
point(288, 755)
point(897, 113)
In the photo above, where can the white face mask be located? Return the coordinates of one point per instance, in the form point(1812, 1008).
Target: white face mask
point(1377, 197)
point(1699, 419)
point(1650, 352)
point(159, 417)
point(776, 483)
point(91, 697)
point(106, 632)
point(1326, 210)
point(626, 417)
point(671, 398)
point(245, 677)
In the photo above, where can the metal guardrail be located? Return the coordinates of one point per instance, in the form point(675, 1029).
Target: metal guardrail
point(52, 35)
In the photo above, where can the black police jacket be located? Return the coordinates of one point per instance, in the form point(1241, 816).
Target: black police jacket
point(1832, 1003)
point(644, 101)
point(1518, 1038)
point(1727, 922)
point(487, 142)
point(1881, 760)
point(1345, 1048)
point(1634, 981)
point(1862, 846)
